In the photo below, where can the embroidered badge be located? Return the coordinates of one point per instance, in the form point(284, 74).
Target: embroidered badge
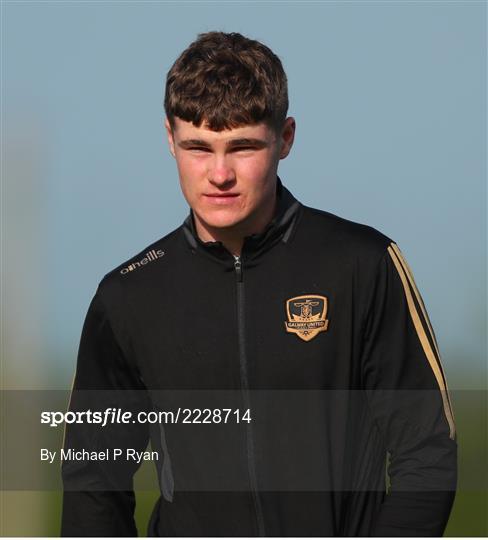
point(306, 316)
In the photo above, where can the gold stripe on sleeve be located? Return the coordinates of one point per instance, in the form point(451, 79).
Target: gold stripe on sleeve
point(420, 301)
point(429, 353)
point(409, 273)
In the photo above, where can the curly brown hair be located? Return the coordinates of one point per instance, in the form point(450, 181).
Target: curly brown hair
point(226, 80)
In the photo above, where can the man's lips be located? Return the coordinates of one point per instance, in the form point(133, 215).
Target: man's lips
point(221, 198)
point(224, 195)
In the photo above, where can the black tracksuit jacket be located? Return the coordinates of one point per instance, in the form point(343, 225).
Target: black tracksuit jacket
point(320, 331)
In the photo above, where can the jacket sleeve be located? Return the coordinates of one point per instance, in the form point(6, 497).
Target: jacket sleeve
point(410, 403)
point(98, 496)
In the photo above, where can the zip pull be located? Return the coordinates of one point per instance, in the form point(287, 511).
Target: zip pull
point(238, 267)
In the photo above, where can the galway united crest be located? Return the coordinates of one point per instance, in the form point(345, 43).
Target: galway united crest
point(306, 316)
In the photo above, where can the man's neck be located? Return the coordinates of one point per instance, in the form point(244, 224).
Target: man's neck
point(233, 237)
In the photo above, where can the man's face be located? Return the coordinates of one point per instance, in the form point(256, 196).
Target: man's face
point(229, 177)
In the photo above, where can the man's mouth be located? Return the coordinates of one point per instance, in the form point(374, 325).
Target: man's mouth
point(221, 194)
point(221, 198)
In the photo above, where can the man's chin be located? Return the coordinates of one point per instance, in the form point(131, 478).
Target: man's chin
point(221, 220)
point(223, 225)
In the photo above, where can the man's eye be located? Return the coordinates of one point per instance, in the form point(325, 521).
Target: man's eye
point(243, 148)
point(199, 149)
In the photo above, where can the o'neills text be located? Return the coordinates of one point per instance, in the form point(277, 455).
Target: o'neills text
point(152, 255)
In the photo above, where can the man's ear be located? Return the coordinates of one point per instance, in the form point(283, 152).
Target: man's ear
point(169, 133)
point(287, 136)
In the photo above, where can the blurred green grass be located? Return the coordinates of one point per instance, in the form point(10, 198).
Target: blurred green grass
point(468, 517)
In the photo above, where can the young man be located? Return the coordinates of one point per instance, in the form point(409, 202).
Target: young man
point(310, 323)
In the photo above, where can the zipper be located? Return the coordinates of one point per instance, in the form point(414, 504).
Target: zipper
point(251, 465)
point(238, 268)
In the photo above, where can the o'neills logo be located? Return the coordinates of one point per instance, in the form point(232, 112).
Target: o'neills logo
point(306, 316)
point(150, 256)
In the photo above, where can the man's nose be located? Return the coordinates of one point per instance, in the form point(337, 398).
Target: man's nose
point(221, 171)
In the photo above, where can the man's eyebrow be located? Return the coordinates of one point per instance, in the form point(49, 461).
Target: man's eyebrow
point(243, 141)
point(247, 141)
point(187, 143)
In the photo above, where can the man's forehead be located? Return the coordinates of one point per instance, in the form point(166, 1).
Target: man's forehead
point(187, 130)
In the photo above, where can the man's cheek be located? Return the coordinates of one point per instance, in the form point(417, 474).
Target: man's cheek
point(258, 168)
point(192, 170)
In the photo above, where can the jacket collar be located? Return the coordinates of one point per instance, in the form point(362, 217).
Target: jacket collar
point(278, 229)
